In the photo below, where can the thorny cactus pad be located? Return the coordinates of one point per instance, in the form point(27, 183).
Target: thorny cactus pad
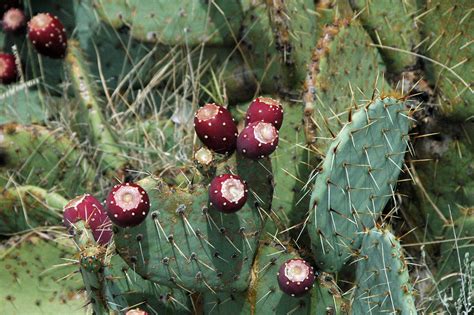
point(356, 179)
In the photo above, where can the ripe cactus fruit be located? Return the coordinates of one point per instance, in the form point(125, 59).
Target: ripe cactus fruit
point(8, 72)
point(48, 35)
point(128, 204)
point(228, 193)
point(257, 140)
point(13, 21)
point(296, 277)
point(88, 209)
point(215, 127)
point(265, 109)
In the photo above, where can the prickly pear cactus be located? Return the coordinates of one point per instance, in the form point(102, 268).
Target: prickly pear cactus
point(356, 179)
point(253, 157)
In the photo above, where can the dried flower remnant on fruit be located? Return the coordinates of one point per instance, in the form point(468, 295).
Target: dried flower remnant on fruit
point(228, 193)
point(13, 20)
point(257, 140)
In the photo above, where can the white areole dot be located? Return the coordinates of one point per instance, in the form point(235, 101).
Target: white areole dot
point(264, 132)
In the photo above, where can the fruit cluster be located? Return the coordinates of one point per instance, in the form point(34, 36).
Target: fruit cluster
point(44, 30)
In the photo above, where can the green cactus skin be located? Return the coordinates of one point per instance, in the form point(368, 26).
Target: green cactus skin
point(291, 164)
point(35, 155)
point(343, 62)
point(27, 207)
point(264, 295)
point(203, 249)
point(444, 176)
point(358, 176)
point(382, 280)
point(448, 28)
point(293, 23)
point(24, 105)
point(112, 158)
point(391, 23)
point(277, 39)
point(34, 278)
point(175, 23)
point(112, 286)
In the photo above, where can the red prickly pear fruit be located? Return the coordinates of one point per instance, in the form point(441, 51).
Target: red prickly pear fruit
point(8, 71)
point(228, 193)
point(296, 277)
point(216, 128)
point(257, 140)
point(89, 209)
point(128, 204)
point(136, 311)
point(13, 21)
point(265, 109)
point(48, 35)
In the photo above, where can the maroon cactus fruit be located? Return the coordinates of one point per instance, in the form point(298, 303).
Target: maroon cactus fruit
point(8, 72)
point(216, 128)
point(228, 193)
point(296, 277)
point(88, 209)
point(265, 109)
point(257, 140)
point(48, 35)
point(128, 204)
point(13, 21)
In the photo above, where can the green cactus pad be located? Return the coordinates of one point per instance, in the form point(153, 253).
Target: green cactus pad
point(113, 286)
point(184, 243)
point(22, 105)
point(27, 207)
point(112, 159)
point(444, 175)
point(264, 295)
point(448, 26)
point(291, 164)
point(382, 280)
point(33, 282)
point(357, 178)
point(277, 39)
point(35, 155)
point(391, 23)
point(344, 69)
point(166, 22)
